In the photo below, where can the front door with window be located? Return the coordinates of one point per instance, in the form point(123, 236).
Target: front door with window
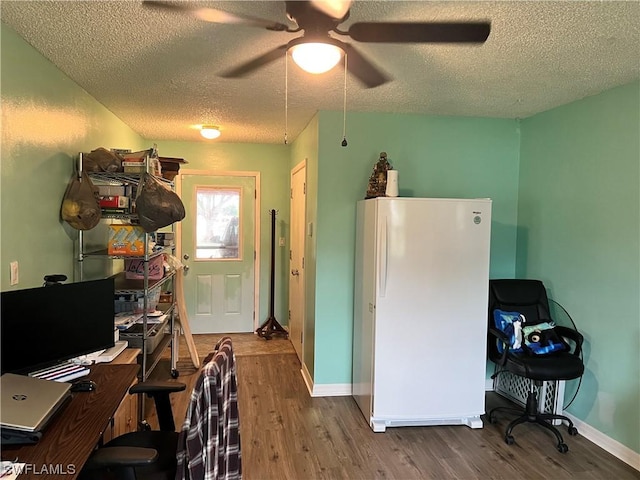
point(218, 246)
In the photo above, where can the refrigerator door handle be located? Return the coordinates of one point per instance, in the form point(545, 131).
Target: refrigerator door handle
point(383, 254)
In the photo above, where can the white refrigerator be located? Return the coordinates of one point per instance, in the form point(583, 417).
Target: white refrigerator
point(420, 311)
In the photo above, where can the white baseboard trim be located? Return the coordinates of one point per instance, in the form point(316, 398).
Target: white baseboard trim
point(308, 381)
point(488, 385)
point(324, 390)
point(332, 390)
point(607, 443)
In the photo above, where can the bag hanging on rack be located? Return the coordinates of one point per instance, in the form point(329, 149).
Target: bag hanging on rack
point(157, 206)
point(80, 206)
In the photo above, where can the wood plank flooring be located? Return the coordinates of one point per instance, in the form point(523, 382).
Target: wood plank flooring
point(286, 434)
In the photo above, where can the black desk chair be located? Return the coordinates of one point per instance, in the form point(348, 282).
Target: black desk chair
point(161, 454)
point(542, 354)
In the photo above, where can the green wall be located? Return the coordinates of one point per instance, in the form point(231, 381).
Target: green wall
point(305, 148)
point(579, 232)
point(272, 161)
point(435, 157)
point(46, 120)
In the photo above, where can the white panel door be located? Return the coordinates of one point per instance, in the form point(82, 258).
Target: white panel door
point(296, 257)
point(218, 246)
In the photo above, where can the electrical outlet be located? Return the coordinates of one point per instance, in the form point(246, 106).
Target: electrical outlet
point(14, 273)
point(281, 241)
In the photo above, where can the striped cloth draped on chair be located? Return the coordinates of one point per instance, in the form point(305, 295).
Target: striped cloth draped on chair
point(209, 443)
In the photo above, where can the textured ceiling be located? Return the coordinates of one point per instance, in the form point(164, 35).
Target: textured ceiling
point(159, 71)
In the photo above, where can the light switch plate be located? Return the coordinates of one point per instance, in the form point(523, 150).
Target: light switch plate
point(13, 273)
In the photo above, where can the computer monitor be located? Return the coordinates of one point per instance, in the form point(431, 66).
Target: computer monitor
point(47, 325)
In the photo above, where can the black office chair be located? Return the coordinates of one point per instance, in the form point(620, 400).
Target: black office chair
point(160, 454)
point(537, 353)
point(145, 454)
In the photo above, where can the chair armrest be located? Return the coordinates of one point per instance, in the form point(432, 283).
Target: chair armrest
point(573, 335)
point(160, 392)
point(152, 387)
point(500, 335)
point(120, 457)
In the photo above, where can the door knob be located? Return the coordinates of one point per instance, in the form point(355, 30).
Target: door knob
point(295, 272)
point(186, 256)
point(186, 268)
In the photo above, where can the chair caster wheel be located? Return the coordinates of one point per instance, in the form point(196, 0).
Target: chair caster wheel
point(508, 439)
point(573, 431)
point(174, 373)
point(562, 448)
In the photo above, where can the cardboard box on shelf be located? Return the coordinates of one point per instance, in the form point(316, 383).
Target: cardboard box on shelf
point(126, 240)
point(171, 166)
point(134, 167)
point(166, 298)
point(134, 268)
point(139, 156)
point(114, 201)
point(111, 190)
point(165, 238)
point(116, 212)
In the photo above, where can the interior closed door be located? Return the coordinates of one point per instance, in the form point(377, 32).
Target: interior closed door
point(296, 263)
point(218, 247)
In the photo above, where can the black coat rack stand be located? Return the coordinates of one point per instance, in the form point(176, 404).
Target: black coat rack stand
point(271, 325)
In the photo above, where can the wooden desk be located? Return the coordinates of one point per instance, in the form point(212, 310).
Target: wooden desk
point(77, 428)
point(125, 419)
point(128, 356)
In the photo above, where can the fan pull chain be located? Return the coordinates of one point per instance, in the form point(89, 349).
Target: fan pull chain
point(286, 95)
point(344, 105)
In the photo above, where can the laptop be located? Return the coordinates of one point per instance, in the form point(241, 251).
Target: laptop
point(28, 403)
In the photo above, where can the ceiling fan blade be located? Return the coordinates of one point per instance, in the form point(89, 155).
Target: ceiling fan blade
point(216, 16)
point(400, 32)
point(334, 8)
point(363, 69)
point(251, 65)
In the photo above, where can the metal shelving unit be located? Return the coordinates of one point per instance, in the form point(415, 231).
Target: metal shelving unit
point(149, 357)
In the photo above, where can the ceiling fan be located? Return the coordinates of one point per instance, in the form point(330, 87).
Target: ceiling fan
point(317, 18)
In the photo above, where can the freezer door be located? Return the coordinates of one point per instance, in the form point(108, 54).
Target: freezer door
point(432, 257)
point(364, 307)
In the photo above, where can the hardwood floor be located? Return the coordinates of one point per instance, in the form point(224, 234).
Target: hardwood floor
point(286, 434)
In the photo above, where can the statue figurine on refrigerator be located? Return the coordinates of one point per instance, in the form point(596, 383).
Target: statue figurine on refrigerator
point(378, 179)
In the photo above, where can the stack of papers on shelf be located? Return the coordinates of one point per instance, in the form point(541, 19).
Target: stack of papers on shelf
point(125, 319)
point(153, 318)
point(62, 372)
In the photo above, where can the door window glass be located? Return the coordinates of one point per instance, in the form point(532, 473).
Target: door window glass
point(218, 234)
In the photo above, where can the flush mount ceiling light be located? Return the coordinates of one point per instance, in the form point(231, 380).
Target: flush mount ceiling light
point(209, 132)
point(316, 57)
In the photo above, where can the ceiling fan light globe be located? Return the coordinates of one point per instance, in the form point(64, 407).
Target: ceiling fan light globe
point(316, 57)
point(210, 132)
